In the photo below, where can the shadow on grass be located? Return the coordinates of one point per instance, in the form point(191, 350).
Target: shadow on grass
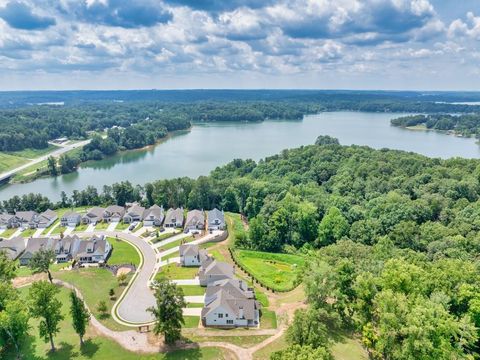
point(89, 348)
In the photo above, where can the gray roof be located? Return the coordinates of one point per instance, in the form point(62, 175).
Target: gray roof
point(216, 214)
point(234, 305)
point(195, 217)
point(35, 244)
point(176, 214)
point(97, 245)
point(217, 268)
point(189, 250)
point(235, 287)
point(136, 210)
point(5, 217)
point(49, 214)
point(26, 216)
point(155, 211)
point(115, 209)
point(95, 212)
point(70, 214)
point(13, 247)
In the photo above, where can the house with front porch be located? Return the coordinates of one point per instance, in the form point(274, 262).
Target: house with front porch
point(174, 218)
point(93, 250)
point(153, 216)
point(195, 220)
point(71, 219)
point(134, 213)
point(93, 216)
point(27, 219)
point(113, 213)
point(216, 220)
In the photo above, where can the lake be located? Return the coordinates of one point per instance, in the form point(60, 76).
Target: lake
point(209, 145)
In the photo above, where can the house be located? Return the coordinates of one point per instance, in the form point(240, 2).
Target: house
point(192, 255)
point(93, 216)
point(66, 248)
point(94, 250)
point(153, 216)
point(45, 219)
point(14, 247)
point(8, 221)
point(134, 213)
point(71, 219)
point(216, 220)
point(235, 287)
point(27, 219)
point(211, 271)
point(174, 218)
point(195, 220)
point(33, 245)
point(226, 310)
point(113, 213)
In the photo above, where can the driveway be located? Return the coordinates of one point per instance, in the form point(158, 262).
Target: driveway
point(38, 233)
point(16, 233)
point(112, 226)
point(90, 228)
point(195, 281)
point(68, 230)
point(192, 311)
point(170, 240)
point(195, 299)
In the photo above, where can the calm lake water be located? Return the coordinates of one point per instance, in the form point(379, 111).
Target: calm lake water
point(207, 146)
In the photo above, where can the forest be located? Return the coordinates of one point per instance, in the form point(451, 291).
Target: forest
point(392, 240)
point(465, 124)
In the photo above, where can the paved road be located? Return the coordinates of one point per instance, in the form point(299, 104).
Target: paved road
point(139, 297)
point(63, 149)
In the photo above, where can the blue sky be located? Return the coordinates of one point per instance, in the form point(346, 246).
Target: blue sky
point(174, 44)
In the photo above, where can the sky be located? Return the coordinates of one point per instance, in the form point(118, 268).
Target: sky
point(179, 44)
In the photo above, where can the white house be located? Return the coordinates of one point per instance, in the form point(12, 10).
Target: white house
point(216, 220)
point(45, 219)
point(192, 255)
point(153, 216)
point(71, 218)
point(94, 250)
point(227, 311)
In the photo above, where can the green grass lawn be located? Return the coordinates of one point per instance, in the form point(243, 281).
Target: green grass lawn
point(192, 290)
point(262, 297)
point(122, 226)
point(217, 255)
point(33, 153)
point(102, 226)
point(123, 253)
point(348, 348)
point(138, 226)
point(194, 305)
point(8, 232)
point(172, 255)
point(243, 341)
point(28, 233)
point(235, 226)
point(277, 271)
point(191, 322)
point(94, 284)
point(277, 345)
point(81, 228)
point(10, 162)
point(176, 272)
point(47, 229)
point(268, 319)
point(58, 230)
point(164, 236)
point(96, 347)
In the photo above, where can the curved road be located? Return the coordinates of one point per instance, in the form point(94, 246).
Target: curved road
point(132, 307)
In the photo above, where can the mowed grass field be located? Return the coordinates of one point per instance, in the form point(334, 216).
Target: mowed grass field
point(123, 253)
point(14, 159)
point(96, 347)
point(277, 271)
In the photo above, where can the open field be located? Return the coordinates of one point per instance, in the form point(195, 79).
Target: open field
point(94, 284)
point(123, 253)
point(176, 272)
point(96, 347)
point(13, 159)
point(276, 271)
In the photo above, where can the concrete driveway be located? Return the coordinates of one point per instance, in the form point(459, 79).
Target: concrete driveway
point(112, 226)
point(90, 228)
point(195, 299)
point(192, 311)
point(195, 281)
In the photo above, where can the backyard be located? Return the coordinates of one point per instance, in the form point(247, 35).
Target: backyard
point(123, 253)
point(176, 272)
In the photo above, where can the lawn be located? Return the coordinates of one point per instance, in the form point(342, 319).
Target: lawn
point(33, 153)
point(102, 226)
point(347, 348)
point(194, 305)
point(8, 232)
point(217, 255)
point(169, 256)
point(10, 162)
point(122, 226)
point(276, 345)
point(192, 290)
point(164, 236)
point(176, 243)
point(268, 319)
point(58, 230)
point(138, 227)
point(123, 253)
point(81, 228)
point(235, 227)
point(176, 272)
point(94, 284)
point(96, 347)
point(28, 233)
point(244, 341)
point(191, 322)
point(47, 229)
point(276, 271)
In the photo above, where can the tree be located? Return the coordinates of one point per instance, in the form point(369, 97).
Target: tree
point(7, 268)
point(102, 308)
point(307, 329)
point(80, 315)
point(168, 310)
point(298, 352)
point(41, 261)
point(332, 227)
point(326, 140)
point(111, 293)
point(14, 325)
point(52, 166)
point(122, 279)
point(45, 306)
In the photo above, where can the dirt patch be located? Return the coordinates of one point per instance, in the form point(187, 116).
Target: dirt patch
point(26, 280)
point(123, 270)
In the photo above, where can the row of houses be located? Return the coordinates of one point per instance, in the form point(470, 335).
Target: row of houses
point(229, 302)
point(28, 219)
point(95, 249)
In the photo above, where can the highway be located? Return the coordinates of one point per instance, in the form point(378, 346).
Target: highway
point(56, 153)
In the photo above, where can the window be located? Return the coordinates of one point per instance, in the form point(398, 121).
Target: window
point(226, 315)
point(230, 322)
point(220, 316)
